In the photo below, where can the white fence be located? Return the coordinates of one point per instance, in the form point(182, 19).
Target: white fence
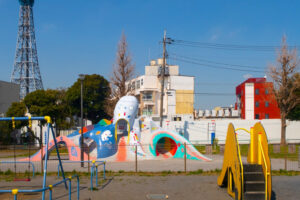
point(200, 131)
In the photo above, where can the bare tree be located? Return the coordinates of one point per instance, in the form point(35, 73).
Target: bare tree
point(284, 85)
point(123, 72)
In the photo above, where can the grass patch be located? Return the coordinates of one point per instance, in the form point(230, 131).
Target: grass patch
point(283, 172)
point(202, 149)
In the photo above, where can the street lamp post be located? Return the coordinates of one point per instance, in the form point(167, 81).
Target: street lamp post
point(81, 77)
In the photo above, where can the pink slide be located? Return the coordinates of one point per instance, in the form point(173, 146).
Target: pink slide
point(73, 150)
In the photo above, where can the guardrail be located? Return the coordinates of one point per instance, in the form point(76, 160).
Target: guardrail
point(94, 169)
point(15, 192)
point(25, 162)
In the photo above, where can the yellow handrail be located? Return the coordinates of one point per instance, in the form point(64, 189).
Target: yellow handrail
point(232, 170)
point(243, 129)
point(266, 167)
point(242, 168)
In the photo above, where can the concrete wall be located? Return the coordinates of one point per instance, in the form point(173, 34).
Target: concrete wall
point(151, 70)
point(198, 131)
point(181, 82)
point(9, 93)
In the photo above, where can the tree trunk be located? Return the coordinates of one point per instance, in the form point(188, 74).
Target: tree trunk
point(283, 129)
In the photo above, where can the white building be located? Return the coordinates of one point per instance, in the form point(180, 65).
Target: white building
point(179, 90)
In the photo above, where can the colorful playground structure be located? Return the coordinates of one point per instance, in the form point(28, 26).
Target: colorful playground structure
point(122, 137)
point(251, 179)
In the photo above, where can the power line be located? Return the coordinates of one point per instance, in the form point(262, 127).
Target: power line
point(213, 62)
point(265, 48)
point(191, 61)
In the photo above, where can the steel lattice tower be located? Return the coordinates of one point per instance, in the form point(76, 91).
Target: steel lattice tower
point(26, 71)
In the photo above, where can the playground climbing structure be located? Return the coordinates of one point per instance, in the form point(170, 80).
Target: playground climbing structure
point(251, 179)
point(122, 137)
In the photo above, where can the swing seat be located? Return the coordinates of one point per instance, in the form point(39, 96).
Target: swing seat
point(22, 179)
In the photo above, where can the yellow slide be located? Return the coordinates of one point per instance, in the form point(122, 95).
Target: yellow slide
point(251, 180)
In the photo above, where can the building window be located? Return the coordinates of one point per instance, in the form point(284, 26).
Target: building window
point(256, 116)
point(138, 84)
point(148, 110)
point(133, 85)
point(142, 81)
point(256, 91)
point(147, 96)
point(267, 116)
point(256, 104)
point(267, 104)
point(266, 91)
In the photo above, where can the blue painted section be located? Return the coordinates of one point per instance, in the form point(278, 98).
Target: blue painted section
point(213, 136)
point(104, 138)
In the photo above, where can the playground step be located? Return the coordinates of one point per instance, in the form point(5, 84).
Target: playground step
point(254, 182)
point(254, 186)
point(253, 176)
point(252, 168)
point(254, 195)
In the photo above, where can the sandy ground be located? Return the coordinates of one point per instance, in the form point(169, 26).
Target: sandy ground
point(153, 187)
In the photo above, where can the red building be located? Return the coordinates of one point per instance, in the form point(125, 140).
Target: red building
point(256, 99)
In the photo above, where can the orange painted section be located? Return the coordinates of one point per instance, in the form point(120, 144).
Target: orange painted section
point(122, 151)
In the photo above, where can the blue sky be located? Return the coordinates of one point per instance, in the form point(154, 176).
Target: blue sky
point(76, 37)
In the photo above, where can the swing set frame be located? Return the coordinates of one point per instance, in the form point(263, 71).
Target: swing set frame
point(49, 128)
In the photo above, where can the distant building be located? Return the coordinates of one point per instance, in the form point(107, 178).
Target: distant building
point(9, 93)
point(179, 90)
point(256, 99)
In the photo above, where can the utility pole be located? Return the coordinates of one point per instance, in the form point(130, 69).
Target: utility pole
point(163, 70)
point(81, 77)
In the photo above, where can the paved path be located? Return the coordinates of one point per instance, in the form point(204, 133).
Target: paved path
point(157, 187)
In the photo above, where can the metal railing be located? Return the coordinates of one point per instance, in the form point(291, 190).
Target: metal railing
point(94, 169)
point(266, 173)
point(241, 167)
point(94, 172)
point(25, 162)
point(15, 192)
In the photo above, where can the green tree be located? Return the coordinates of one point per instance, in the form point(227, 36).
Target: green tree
point(17, 109)
point(96, 91)
point(49, 103)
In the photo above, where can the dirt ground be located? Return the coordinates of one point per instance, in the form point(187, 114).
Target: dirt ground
point(150, 187)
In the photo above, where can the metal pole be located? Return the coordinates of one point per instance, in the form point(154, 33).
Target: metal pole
point(285, 156)
point(92, 173)
point(104, 169)
point(58, 156)
point(162, 80)
point(77, 188)
point(96, 175)
point(81, 109)
point(136, 158)
point(70, 188)
point(88, 159)
point(46, 159)
point(50, 192)
point(41, 146)
point(185, 157)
